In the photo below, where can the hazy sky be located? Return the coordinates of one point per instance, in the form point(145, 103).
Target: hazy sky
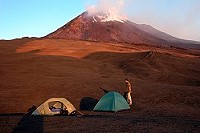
point(37, 18)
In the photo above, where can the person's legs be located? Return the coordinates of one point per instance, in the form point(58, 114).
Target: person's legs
point(129, 99)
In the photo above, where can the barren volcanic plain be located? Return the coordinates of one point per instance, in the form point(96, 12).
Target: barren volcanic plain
point(165, 81)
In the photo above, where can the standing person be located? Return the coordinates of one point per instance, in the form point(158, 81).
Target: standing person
point(129, 91)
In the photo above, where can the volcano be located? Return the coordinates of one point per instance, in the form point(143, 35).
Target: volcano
point(101, 27)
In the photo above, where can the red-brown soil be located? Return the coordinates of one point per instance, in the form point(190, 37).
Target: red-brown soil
point(166, 85)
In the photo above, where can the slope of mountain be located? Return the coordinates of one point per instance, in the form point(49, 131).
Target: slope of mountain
point(100, 27)
point(173, 40)
point(31, 71)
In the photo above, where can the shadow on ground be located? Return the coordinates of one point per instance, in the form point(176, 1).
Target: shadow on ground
point(29, 124)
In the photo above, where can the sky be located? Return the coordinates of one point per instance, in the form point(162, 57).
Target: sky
point(37, 18)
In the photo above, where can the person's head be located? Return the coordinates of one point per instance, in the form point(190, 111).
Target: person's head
point(126, 80)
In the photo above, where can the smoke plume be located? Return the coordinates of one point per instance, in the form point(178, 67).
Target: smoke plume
point(113, 9)
point(179, 18)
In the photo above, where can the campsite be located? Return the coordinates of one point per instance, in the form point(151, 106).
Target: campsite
point(108, 66)
point(35, 70)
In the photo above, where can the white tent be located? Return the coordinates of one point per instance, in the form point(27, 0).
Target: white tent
point(55, 106)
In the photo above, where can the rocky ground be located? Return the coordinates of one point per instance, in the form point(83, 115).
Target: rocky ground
point(166, 85)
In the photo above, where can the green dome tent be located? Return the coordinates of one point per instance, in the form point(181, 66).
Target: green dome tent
point(112, 101)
